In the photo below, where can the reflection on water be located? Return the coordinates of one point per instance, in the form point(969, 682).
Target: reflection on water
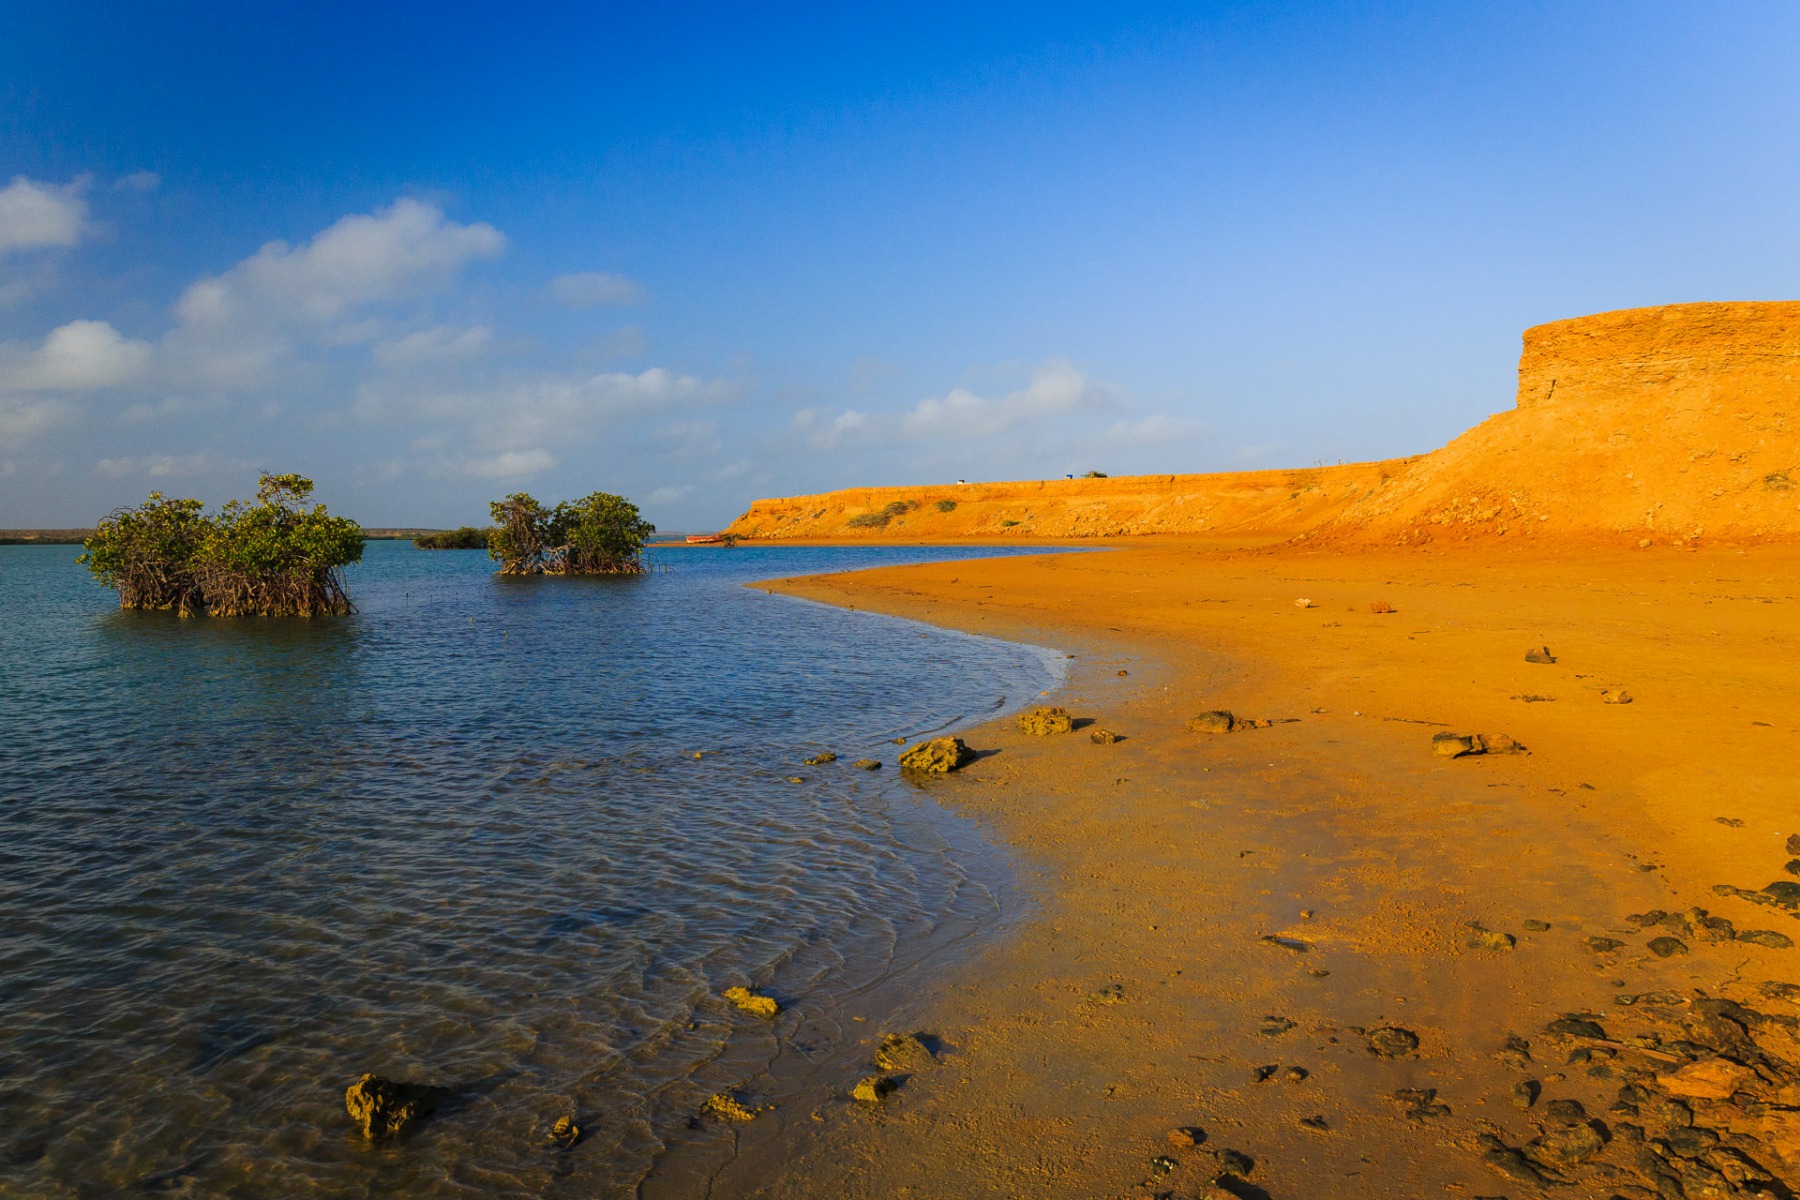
point(507, 836)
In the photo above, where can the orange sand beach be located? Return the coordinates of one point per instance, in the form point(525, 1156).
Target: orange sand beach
point(1315, 956)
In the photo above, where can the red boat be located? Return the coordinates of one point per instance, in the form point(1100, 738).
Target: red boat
point(702, 539)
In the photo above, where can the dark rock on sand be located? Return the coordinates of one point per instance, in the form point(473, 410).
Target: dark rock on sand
point(903, 1052)
point(1615, 696)
point(1792, 866)
point(1455, 745)
point(939, 756)
point(1667, 947)
point(1525, 1093)
point(1420, 1103)
point(1575, 1025)
point(1216, 721)
point(873, 1089)
point(1540, 655)
point(1316, 1121)
point(1391, 1041)
point(1783, 893)
point(1506, 1161)
point(1184, 1136)
point(1103, 737)
point(1566, 1147)
point(1535, 926)
point(1603, 945)
point(1565, 1112)
point(1274, 1026)
point(1286, 943)
point(1793, 843)
point(1765, 937)
point(1499, 743)
point(384, 1107)
point(1488, 939)
point(1046, 719)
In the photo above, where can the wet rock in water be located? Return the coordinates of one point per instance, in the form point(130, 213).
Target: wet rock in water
point(728, 1106)
point(1708, 1079)
point(1103, 737)
point(866, 764)
point(1455, 745)
point(1391, 1041)
point(1215, 721)
point(1666, 947)
point(1615, 696)
point(565, 1132)
point(1525, 1094)
point(384, 1107)
point(873, 1089)
point(1603, 945)
point(939, 756)
point(1765, 937)
point(1575, 1025)
point(1535, 926)
point(1540, 655)
point(1565, 1112)
point(1565, 1147)
point(753, 1002)
point(1504, 1160)
point(821, 758)
point(795, 779)
point(1046, 719)
point(1183, 1136)
point(1488, 939)
point(903, 1052)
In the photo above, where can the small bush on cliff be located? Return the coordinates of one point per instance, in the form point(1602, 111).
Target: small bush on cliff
point(880, 517)
point(271, 558)
point(600, 534)
point(465, 537)
point(946, 506)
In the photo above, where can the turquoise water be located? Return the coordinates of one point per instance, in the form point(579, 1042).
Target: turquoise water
point(463, 838)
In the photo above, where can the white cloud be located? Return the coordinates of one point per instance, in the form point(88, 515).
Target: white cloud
point(171, 466)
point(35, 216)
point(668, 495)
point(139, 181)
point(360, 260)
point(22, 419)
point(1056, 389)
point(1156, 430)
point(74, 357)
point(512, 464)
point(441, 344)
point(595, 289)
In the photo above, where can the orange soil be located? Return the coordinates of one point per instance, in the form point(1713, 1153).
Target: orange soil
point(1662, 423)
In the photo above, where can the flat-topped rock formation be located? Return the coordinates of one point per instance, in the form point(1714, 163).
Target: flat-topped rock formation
point(1667, 423)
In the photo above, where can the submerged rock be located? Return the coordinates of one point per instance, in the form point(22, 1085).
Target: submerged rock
point(939, 756)
point(866, 764)
point(728, 1106)
point(753, 1002)
point(1046, 719)
point(384, 1107)
point(565, 1132)
point(1216, 721)
point(821, 758)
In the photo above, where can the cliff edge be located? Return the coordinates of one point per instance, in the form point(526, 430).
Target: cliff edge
point(1668, 423)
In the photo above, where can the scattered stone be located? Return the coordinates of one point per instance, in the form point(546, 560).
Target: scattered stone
point(1783, 893)
point(1184, 1136)
point(1391, 1041)
point(1380, 606)
point(1667, 947)
point(866, 764)
point(1216, 721)
point(900, 741)
point(1575, 1025)
point(1499, 743)
point(1235, 1162)
point(728, 1106)
point(1525, 1094)
point(1734, 822)
point(1565, 1112)
point(1103, 737)
point(1615, 696)
point(1455, 745)
point(1273, 1026)
point(1161, 1165)
point(385, 1107)
point(1112, 993)
point(1793, 843)
point(753, 1002)
point(1506, 1161)
point(565, 1132)
point(1421, 1104)
point(1265, 1072)
point(1533, 698)
point(1488, 939)
point(1123, 671)
point(1316, 1122)
point(1792, 866)
point(1565, 1147)
point(1765, 937)
point(821, 758)
point(1536, 926)
point(873, 1089)
point(939, 756)
point(1045, 720)
point(1295, 1075)
point(1708, 1079)
point(1540, 655)
point(1603, 945)
point(1780, 991)
point(904, 1052)
point(1286, 943)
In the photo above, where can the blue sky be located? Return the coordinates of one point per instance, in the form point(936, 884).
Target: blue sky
point(435, 253)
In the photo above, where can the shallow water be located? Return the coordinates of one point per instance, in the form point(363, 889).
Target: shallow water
point(463, 838)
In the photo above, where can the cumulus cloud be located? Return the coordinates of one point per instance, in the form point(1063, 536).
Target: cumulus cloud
point(441, 344)
point(23, 418)
point(595, 289)
point(669, 495)
point(74, 357)
point(171, 466)
point(1056, 389)
point(511, 464)
point(35, 216)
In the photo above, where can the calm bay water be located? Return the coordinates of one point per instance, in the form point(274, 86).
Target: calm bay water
point(461, 838)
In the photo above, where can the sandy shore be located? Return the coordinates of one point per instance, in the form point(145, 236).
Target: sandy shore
point(1144, 994)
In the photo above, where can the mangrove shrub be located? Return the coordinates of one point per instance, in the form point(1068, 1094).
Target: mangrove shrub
point(600, 534)
point(273, 557)
point(464, 537)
